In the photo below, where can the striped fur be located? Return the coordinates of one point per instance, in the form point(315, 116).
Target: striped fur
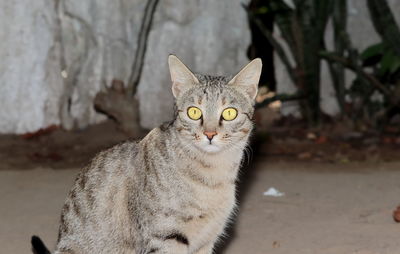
point(170, 192)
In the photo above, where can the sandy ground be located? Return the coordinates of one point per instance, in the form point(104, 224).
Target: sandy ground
point(327, 208)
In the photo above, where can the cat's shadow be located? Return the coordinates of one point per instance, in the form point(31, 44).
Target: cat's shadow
point(245, 179)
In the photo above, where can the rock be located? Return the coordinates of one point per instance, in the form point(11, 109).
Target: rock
point(304, 155)
point(311, 136)
point(119, 105)
point(396, 214)
point(321, 140)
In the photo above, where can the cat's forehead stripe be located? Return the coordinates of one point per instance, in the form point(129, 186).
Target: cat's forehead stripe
point(212, 80)
point(214, 91)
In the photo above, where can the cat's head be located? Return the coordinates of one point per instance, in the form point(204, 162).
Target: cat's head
point(214, 112)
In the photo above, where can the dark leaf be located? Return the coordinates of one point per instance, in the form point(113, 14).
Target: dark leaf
point(395, 65)
point(372, 52)
point(388, 60)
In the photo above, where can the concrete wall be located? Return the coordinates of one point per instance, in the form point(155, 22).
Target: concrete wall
point(30, 80)
point(56, 55)
point(208, 36)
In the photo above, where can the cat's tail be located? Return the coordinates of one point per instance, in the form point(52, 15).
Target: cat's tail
point(38, 246)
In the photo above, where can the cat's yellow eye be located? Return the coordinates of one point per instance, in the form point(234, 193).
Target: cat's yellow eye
point(194, 113)
point(229, 114)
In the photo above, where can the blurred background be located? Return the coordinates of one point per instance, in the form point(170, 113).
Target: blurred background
point(322, 173)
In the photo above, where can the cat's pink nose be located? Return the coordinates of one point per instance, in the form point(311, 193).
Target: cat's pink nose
point(210, 134)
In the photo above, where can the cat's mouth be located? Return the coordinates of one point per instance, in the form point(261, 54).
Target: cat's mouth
point(209, 146)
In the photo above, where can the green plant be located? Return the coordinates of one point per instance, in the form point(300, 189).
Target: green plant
point(302, 27)
point(375, 92)
point(384, 62)
point(384, 65)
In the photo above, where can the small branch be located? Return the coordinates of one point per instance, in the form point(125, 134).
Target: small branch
point(348, 64)
point(279, 50)
point(141, 46)
point(280, 97)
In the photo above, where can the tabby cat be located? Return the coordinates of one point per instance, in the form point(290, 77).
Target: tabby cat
point(174, 191)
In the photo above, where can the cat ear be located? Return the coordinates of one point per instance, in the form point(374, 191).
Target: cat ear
point(247, 79)
point(181, 76)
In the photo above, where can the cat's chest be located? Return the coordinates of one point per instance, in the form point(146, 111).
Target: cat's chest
point(215, 197)
point(202, 194)
point(211, 185)
point(210, 210)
